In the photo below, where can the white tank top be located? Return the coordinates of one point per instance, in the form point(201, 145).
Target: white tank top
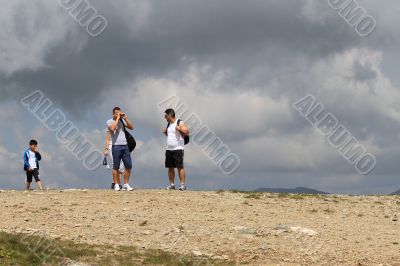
point(175, 141)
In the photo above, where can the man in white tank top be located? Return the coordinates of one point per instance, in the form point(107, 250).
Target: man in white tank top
point(175, 149)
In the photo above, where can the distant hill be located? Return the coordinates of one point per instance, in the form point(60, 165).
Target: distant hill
point(297, 190)
point(396, 192)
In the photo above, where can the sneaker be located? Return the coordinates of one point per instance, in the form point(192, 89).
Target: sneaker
point(182, 187)
point(171, 187)
point(127, 187)
point(112, 185)
point(117, 188)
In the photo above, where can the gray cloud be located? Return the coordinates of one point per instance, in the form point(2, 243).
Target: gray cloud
point(266, 35)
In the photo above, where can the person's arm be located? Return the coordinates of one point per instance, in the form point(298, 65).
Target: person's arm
point(26, 161)
point(128, 123)
point(38, 156)
point(114, 126)
point(183, 129)
point(108, 138)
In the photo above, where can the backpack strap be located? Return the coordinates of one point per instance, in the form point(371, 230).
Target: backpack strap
point(123, 124)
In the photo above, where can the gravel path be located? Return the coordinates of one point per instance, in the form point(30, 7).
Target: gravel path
point(257, 229)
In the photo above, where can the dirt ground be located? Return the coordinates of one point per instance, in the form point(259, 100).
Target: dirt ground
point(248, 228)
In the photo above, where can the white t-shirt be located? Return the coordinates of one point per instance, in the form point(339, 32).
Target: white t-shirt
point(175, 141)
point(32, 159)
point(117, 136)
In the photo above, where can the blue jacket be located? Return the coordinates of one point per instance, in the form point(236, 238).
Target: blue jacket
point(26, 159)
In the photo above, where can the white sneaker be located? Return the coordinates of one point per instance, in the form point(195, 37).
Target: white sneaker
point(117, 188)
point(127, 187)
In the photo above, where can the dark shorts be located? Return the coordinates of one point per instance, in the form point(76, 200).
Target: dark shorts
point(121, 152)
point(174, 159)
point(32, 174)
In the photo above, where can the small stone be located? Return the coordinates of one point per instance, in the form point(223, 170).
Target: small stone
point(248, 232)
point(197, 253)
point(239, 228)
point(281, 227)
point(303, 230)
point(145, 222)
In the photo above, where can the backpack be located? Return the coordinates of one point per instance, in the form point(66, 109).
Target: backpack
point(185, 138)
point(129, 139)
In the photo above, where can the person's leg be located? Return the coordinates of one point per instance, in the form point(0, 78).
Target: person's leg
point(110, 162)
point(115, 174)
point(171, 175)
point(170, 165)
point(39, 183)
point(178, 157)
point(28, 180)
point(117, 156)
point(182, 175)
point(127, 174)
point(120, 174)
point(127, 160)
point(37, 179)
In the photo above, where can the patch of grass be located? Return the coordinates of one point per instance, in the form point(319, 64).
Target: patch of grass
point(378, 202)
point(220, 191)
point(283, 195)
point(238, 191)
point(314, 211)
point(20, 249)
point(253, 196)
point(387, 216)
point(6, 256)
point(297, 196)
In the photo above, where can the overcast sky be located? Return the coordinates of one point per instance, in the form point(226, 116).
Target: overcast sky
point(238, 65)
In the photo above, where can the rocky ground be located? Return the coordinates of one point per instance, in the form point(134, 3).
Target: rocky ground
point(246, 228)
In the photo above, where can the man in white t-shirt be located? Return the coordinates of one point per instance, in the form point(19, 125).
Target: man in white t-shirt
point(120, 149)
point(174, 153)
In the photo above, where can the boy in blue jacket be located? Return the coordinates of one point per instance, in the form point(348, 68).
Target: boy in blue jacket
point(31, 165)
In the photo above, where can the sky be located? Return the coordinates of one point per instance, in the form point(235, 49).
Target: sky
point(237, 65)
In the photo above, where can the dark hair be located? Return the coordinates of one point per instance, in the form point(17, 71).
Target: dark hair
point(170, 112)
point(116, 109)
point(33, 142)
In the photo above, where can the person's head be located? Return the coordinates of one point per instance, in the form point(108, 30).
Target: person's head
point(116, 112)
point(33, 144)
point(170, 115)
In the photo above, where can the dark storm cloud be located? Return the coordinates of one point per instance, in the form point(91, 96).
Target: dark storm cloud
point(241, 35)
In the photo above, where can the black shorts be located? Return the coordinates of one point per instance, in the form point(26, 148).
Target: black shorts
point(34, 174)
point(174, 159)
